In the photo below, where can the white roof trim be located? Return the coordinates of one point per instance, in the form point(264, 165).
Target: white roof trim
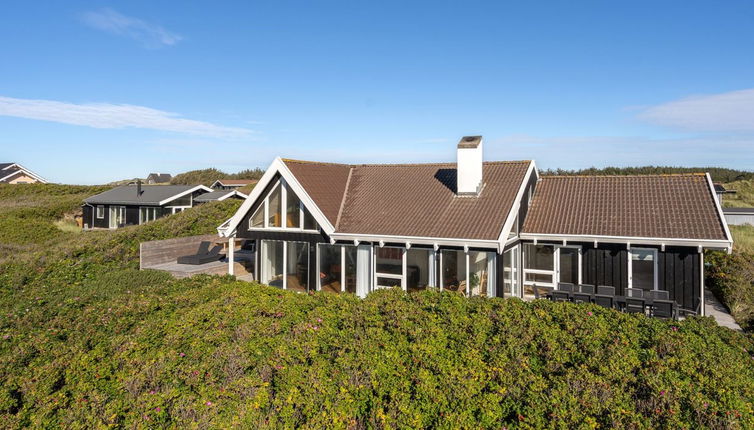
point(231, 193)
point(719, 210)
point(706, 243)
point(415, 240)
point(181, 194)
point(25, 170)
point(278, 166)
point(503, 238)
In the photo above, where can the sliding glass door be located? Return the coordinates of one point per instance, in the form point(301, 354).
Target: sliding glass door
point(285, 265)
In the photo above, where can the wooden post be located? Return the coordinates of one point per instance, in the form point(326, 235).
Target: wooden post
point(231, 248)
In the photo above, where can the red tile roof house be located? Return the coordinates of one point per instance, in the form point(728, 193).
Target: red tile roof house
point(480, 228)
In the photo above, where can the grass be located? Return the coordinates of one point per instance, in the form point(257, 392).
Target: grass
point(89, 341)
point(744, 196)
point(67, 226)
point(743, 238)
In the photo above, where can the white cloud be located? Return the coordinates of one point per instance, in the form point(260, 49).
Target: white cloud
point(150, 35)
point(726, 112)
point(106, 115)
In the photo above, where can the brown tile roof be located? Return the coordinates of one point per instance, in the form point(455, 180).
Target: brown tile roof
point(411, 199)
point(657, 206)
point(324, 182)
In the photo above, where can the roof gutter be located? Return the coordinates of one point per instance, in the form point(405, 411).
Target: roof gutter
point(416, 240)
point(704, 243)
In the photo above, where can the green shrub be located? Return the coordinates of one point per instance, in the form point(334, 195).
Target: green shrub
point(731, 279)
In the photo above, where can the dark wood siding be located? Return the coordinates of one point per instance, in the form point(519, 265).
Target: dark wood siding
point(605, 265)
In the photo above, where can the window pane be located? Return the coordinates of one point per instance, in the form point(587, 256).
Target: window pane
point(272, 263)
point(292, 210)
point(538, 257)
point(388, 282)
point(514, 229)
point(350, 268)
point(510, 273)
point(309, 222)
point(275, 208)
point(417, 269)
point(454, 271)
point(390, 261)
point(181, 201)
point(569, 265)
point(329, 268)
point(538, 277)
point(478, 276)
point(642, 269)
point(257, 220)
point(297, 270)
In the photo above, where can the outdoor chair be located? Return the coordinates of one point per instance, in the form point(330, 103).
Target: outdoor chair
point(586, 288)
point(663, 309)
point(581, 298)
point(203, 255)
point(659, 295)
point(605, 290)
point(606, 301)
point(560, 296)
point(635, 305)
point(634, 292)
point(565, 286)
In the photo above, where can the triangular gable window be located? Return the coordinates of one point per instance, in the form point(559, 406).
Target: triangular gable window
point(282, 206)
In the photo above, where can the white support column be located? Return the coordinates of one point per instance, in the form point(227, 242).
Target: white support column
point(231, 249)
point(701, 282)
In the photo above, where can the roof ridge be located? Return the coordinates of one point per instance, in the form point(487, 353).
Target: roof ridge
point(343, 200)
point(649, 175)
point(327, 163)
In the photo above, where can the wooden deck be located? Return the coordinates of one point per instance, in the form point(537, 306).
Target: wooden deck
point(162, 255)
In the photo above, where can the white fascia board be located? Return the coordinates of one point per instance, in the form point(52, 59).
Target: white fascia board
point(215, 183)
point(23, 169)
point(719, 210)
point(278, 166)
point(634, 241)
point(179, 195)
point(516, 206)
point(415, 240)
point(231, 194)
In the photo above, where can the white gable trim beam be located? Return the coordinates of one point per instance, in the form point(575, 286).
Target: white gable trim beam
point(704, 243)
point(720, 214)
point(513, 214)
point(277, 166)
point(22, 169)
point(189, 191)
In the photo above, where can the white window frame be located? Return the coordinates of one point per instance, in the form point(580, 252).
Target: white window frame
point(118, 209)
point(263, 254)
point(100, 211)
point(630, 253)
point(468, 272)
point(514, 270)
point(556, 255)
point(526, 270)
point(284, 189)
point(402, 276)
point(153, 209)
point(341, 248)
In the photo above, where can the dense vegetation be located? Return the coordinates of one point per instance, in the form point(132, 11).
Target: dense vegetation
point(718, 174)
point(743, 197)
point(208, 176)
point(86, 340)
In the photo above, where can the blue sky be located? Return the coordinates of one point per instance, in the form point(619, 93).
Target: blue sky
point(97, 91)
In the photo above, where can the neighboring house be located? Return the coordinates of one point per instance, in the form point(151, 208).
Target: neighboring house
point(478, 228)
point(158, 178)
point(739, 216)
point(219, 195)
point(14, 173)
point(232, 184)
point(137, 204)
point(720, 191)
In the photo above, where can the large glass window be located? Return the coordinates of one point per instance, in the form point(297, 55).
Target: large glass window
point(292, 210)
point(257, 220)
point(272, 263)
point(539, 264)
point(148, 214)
point(297, 266)
point(329, 268)
point(389, 267)
point(418, 268)
point(100, 211)
point(453, 270)
point(274, 207)
point(309, 222)
point(479, 274)
point(510, 273)
point(643, 268)
point(568, 265)
point(350, 269)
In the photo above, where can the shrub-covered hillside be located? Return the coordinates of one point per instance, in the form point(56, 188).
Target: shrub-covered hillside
point(88, 341)
point(208, 176)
